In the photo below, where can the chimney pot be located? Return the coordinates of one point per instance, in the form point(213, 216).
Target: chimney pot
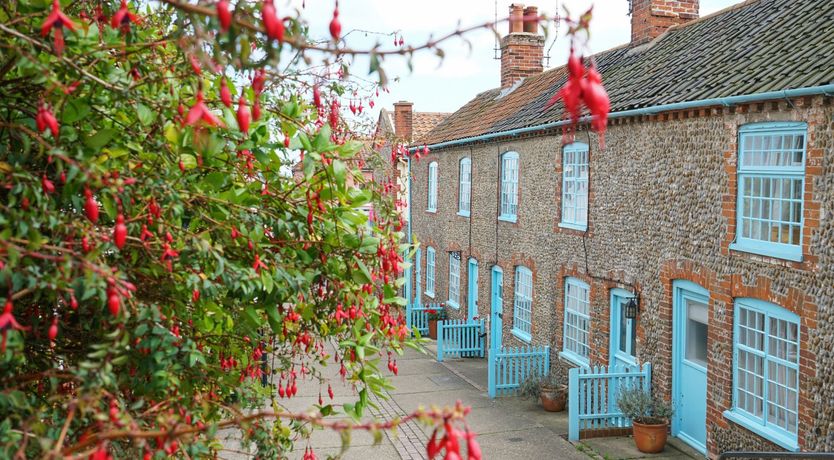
point(522, 49)
point(531, 19)
point(516, 18)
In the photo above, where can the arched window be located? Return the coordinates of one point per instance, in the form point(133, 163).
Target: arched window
point(454, 280)
point(432, 186)
point(465, 186)
point(766, 371)
point(523, 303)
point(575, 186)
point(509, 187)
point(430, 271)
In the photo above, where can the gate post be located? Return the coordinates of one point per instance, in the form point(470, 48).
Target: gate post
point(573, 404)
point(491, 372)
point(409, 310)
point(440, 341)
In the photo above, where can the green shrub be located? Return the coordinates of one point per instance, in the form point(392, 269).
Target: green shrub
point(640, 406)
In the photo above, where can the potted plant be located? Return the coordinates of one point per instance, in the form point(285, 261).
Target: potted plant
point(435, 315)
point(548, 389)
point(649, 417)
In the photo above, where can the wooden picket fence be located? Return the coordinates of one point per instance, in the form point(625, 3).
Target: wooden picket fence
point(592, 396)
point(510, 366)
point(460, 338)
point(417, 317)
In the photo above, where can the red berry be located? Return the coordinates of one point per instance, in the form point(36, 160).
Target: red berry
point(47, 185)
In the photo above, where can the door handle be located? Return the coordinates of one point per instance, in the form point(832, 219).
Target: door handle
point(501, 315)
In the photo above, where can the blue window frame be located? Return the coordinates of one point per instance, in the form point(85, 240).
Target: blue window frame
point(432, 188)
point(430, 271)
point(454, 281)
point(575, 346)
point(575, 186)
point(465, 187)
point(509, 187)
point(523, 304)
point(771, 185)
point(766, 371)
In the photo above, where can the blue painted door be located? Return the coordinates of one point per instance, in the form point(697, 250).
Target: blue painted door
point(497, 310)
point(472, 291)
point(623, 337)
point(689, 363)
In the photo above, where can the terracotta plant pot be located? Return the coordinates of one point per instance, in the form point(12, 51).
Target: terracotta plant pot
point(433, 329)
point(650, 439)
point(554, 399)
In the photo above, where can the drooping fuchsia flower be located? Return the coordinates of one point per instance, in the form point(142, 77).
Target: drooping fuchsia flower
point(596, 98)
point(272, 23)
point(123, 18)
point(335, 25)
point(56, 22)
point(223, 15)
point(8, 321)
point(199, 111)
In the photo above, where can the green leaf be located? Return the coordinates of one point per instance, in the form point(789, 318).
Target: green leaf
point(145, 114)
point(339, 171)
point(74, 110)
point(100, 139)
point(363, 275)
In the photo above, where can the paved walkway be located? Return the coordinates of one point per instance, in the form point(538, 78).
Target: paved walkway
point(508, 428)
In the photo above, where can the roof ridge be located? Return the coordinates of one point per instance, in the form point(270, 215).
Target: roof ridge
point(724, 10)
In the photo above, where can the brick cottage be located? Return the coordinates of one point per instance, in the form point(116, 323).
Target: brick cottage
point(710, 205)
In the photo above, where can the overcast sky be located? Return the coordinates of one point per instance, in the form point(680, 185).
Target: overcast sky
point(462, 74)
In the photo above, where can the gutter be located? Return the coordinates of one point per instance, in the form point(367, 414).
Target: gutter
point(827, 90)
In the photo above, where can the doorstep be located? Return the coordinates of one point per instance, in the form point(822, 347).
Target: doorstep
point(622, 447)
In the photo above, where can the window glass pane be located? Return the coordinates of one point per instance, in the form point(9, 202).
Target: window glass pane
point(523, 300)
point(771, 175)
point(767, 365)
point(576, 318)
point(696, 332)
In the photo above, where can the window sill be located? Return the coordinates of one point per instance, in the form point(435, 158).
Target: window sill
point(780, 439)
point(429, 294)
point(506, 218)
point(453, 304)
point(763, 249)
point(521, 335)
point(573, 358)
point(463, 213)
point(433, 211)
point(571, 226)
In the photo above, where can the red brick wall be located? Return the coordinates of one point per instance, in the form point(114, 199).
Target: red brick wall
point(521, 56)
point(650, 18)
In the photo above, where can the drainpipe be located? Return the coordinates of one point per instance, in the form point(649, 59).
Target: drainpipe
point(826, 90)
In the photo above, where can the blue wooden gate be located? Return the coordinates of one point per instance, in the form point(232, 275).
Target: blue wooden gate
point(460, 338)
point(512, 365)
point(417, 317)
point(593, 392)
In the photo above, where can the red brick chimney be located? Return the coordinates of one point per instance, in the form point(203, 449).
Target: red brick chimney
point(403, 120)
point(523, 48)
point(650, 18)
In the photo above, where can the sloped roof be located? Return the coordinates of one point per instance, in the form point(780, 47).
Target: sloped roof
point(421, 123)
point(754, 47)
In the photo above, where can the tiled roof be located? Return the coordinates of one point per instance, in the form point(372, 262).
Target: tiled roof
point(423, 122)
point(754, 47)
